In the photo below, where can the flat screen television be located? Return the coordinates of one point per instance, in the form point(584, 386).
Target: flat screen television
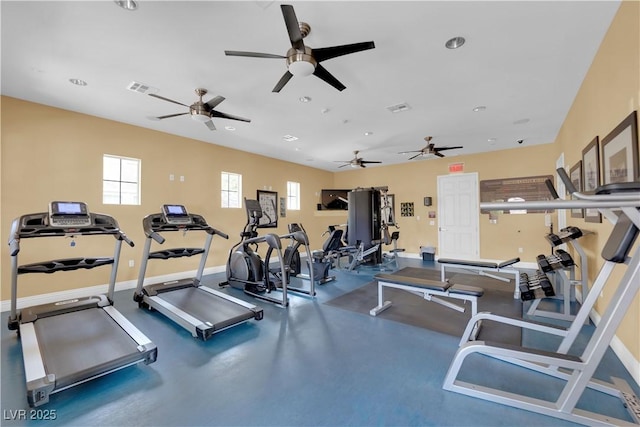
point(332, 199)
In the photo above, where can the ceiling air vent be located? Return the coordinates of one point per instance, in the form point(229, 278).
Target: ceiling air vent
point(141, 88)
point(398, 108)
point(290, 138)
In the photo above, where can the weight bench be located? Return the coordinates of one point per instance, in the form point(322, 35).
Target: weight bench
point(430, 290)
point(483, 268)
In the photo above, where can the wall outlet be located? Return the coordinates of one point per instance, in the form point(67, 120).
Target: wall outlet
point(181, 178)
point(131, 263)
point(520, 250)
point(171, 177)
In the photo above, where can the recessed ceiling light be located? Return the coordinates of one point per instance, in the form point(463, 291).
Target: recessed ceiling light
point(78, 82)
point(454, 43)
point(127, 4)
point(479, 108)
point(290, 138)
point(368, 133)
point(325, 110)
point(492, 140)
point(230, 128)
point(305, 99)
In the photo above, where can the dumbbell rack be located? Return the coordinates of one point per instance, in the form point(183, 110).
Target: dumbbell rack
point(535, 286)
point(558, 264)
point(571, 235)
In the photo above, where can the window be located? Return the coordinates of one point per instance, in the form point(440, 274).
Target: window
point(231, 189)
point(120, 180)
point(293, 196)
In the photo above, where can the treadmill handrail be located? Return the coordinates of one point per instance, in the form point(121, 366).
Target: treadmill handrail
point(155, 223)
point(37, 225)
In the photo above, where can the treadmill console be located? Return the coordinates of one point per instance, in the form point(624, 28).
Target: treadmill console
point(176, 214)
point(69, 214)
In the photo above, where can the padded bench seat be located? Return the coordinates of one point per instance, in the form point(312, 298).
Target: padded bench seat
point(430, 290)
point(481, 268)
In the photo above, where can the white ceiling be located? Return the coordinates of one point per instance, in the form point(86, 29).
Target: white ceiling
point(524, 61)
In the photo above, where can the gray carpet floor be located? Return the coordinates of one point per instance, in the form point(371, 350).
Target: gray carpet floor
point(413, 310)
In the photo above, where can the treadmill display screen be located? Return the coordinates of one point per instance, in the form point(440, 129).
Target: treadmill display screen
point(175, 210)
point(68, 208)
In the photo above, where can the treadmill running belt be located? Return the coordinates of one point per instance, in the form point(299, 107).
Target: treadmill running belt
point(82, 344)
point(208, 308)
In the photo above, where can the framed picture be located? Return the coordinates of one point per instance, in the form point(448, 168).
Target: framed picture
point(591, 176)
point(388, 213)
point(268, 202)
point(620, 152)
point(575, 173)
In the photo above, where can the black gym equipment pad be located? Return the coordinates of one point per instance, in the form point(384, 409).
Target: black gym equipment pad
point(413, 310)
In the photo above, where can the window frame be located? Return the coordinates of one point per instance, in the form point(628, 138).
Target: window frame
point(120, 181)
point(293, 200)
point(225, 191)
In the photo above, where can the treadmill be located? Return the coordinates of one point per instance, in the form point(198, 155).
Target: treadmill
point(199, 309)
point(73, 341)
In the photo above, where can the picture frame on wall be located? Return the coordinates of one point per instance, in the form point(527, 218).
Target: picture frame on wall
point(389, 214)
point(620, 152)
point(575, 174)
point(269, 203)
point(591, 176)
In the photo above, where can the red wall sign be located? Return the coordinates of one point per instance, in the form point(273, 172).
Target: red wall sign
point(456, 167)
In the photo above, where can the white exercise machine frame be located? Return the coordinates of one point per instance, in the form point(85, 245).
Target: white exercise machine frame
point(576, 371)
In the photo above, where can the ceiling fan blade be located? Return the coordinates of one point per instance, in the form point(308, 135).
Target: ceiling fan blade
point(171, 115)
point(167, 99)
point(228, 116)
point(438, 154)
point(411, 151)
point(210, 125)
point(417, 155)
point(283, 81)
point(323, 74)
point(446, 148)
point(369, 161)
point(252, 54)
point(341, 166)
point(213, 102)
point(325, 53)
point(293, 28)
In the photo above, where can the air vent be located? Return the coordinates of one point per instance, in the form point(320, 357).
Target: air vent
point(141, 88)
point(398, 108)
point(290, 138)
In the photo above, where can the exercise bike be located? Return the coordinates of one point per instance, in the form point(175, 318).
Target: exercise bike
point(245, 268)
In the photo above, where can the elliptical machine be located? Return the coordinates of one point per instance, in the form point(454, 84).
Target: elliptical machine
point(247, 271)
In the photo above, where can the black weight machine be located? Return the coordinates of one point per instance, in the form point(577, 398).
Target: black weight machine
point(369, 218)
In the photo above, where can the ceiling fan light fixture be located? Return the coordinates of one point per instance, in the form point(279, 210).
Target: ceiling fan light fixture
point(301, 68)
point(455, 42)
point(127, 4)
point(200, 117)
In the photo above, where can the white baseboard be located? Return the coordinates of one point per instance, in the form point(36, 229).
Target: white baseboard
point(101, 289)
point(630, 363)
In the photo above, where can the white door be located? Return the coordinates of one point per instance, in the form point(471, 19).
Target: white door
point(458, 216)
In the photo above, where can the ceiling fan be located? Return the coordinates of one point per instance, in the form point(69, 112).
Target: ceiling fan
point(429, 149)
point(303, 60)
point(356, 162)
point(201, 111)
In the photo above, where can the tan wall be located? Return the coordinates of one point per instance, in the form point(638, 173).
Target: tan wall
point(609, 93)
point(411, 182)
point(59, 157)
